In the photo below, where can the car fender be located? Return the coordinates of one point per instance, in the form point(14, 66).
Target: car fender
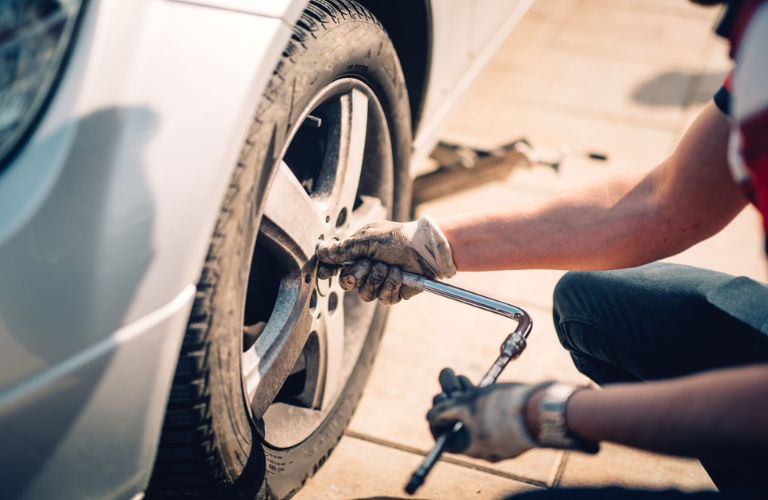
point(107, 216)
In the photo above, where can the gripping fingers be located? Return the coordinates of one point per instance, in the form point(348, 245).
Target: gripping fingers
point(439, 398)
point(339, 252)
point(370, 289)
point(442, 419)
point(447, 413)
point(406, 292)
point(449, 382)
point(353, 275)
point(389, 293)
point(326, 271)
point(451, 385)
point(465, 383)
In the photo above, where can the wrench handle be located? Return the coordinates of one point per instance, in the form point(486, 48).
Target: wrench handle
point(511, 348)
point(473, 299)
point(420, 475)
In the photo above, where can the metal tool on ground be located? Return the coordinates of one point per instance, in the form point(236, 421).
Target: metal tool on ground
point(463, 167)
point(511, 348)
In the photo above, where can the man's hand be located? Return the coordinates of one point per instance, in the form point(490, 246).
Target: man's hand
point(494, 417)
point(372, 259)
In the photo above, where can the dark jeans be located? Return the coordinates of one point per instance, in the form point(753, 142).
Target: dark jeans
point(661, 321)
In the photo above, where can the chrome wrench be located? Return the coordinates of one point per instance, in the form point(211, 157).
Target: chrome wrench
point(511, 348)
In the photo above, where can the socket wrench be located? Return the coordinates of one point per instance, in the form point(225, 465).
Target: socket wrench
point(511, 348)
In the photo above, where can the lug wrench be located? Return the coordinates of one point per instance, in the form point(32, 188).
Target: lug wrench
point(511, 348)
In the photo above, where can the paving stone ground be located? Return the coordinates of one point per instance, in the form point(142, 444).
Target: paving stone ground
point(619, 77)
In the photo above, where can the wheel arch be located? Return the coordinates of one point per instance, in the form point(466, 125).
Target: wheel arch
point(409, 25)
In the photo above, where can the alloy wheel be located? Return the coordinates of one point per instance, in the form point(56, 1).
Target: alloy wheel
point(334, 176)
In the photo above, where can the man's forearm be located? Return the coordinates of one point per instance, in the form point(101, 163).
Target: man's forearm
point(600, 227)
point(715, 413)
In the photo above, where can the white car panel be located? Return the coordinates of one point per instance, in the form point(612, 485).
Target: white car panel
point(442, 99)
point(489, 17)
point(89, 427)
point(107, 216)
point(451, 53)
point(134, 175)
point(288, 10)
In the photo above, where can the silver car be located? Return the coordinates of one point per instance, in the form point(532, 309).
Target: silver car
point(168, 169)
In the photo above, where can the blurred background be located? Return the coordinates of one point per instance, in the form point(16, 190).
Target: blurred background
point(622, 78)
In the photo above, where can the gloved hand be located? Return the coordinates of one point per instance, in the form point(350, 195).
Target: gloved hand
point(372, 258)
point(494, 417)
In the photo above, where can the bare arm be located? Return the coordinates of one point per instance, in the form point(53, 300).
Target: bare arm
point(629, 221)
point(714, 413)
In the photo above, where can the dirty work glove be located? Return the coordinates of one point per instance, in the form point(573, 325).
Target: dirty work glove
point(373, 258)
point(494, 417)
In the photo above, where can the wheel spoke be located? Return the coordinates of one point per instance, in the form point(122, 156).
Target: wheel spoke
point(370, 210)
point(275, 351)
point(292, 220)
point(332, 332)
point(353, 129)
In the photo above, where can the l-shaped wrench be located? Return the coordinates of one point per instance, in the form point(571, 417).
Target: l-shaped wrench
point(511, 348)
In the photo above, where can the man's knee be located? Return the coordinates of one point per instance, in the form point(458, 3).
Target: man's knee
point(571, 286)
point(585, 310)
point(570, 301)
point(581, 327)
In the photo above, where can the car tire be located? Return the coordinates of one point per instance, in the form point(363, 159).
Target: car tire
point(212, 442)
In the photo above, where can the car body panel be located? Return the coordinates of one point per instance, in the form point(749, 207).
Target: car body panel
point(442, 98)
point(489, 18)
point(120, 221)
point(107, 214)
point(104, 224)
point(89, 427)
point(288, 10)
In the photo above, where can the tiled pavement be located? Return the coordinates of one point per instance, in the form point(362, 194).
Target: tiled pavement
point(620, 77)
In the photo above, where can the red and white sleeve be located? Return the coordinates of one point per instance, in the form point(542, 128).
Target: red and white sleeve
point(748, 150)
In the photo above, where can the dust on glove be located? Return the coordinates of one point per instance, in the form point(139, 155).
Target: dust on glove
point(373, 258)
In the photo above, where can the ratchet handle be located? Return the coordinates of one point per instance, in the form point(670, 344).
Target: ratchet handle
point(420, 475)
point(422, 283)
point(512, 346)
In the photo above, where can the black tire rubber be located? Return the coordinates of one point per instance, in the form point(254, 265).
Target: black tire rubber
point(208, 446)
